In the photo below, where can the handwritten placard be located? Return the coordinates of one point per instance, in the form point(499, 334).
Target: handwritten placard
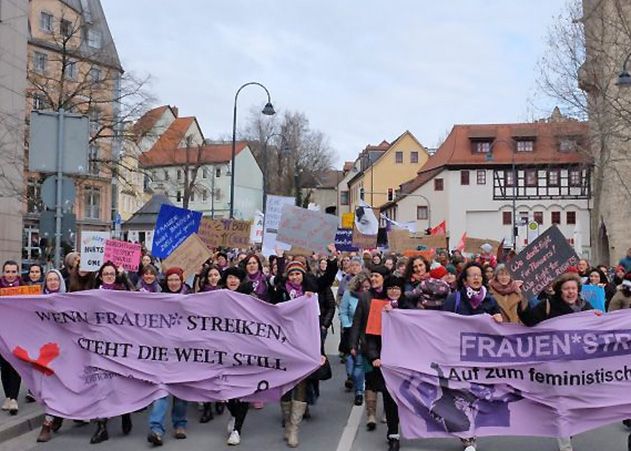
point(542, 261)
point(173, 226)
point(273, 212)
point(344, 240)
point(224, 233)
point(307, 228)
point(92, 250)
point(190, 256)
point(362, 241)
point(22, 290)
point(472, 245)
point(124, 254)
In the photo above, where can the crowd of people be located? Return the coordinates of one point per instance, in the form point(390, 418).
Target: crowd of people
point(449, 282)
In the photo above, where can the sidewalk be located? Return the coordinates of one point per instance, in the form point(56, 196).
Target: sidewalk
point(29, 417)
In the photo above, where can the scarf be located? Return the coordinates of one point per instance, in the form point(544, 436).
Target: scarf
point(5, 284)
point(475, 297)
point(259, 284)
point(108, 286)
point(153, 288)
point(294, 291)
point(504, 290)
point(209, 287)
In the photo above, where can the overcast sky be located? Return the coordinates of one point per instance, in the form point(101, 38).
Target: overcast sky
point(361, 71)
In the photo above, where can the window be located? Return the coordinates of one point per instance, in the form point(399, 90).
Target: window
point(464, 177)
point(39, 102)
point(218, 172)
point(40, 61)
point(509, 178)
point(574, 177)
point(95, 121)
point(422, 212)
point(390, 194)
point(555, 217)
point(192, 196)
point(344, 198)
point(179, 174)
point(70, 71)
point(538, 217)
point(482, 146)
point(179, 196)
point(166, 175)
point(523, 217)
point(525, 145)
point(567, 145)
point(570, 217)
point(92, 202)
point(398, 157)
point(413, 157)
point(46, 22)
point(361, 193)
point(95, 74)
point(481, 177)
point(65, 28)
point(507, 218)
point(204, 173)
point(554, 177)
point(94, 39)
point(204, 195)
point(438, 184)
point(93, 157)
point(531, 177)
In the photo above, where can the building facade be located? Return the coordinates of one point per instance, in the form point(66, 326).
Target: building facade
point(13, 43)
point(486, 179)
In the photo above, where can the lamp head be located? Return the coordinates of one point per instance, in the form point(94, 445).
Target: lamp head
point(268, 110)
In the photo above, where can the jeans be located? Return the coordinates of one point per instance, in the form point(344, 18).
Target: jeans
point(355, 369)
point(159, 412)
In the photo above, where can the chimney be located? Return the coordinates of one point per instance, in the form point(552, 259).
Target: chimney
point(175, 110)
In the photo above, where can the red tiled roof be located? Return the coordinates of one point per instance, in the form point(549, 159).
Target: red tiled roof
point(148, 120)
point(383, 145)
point(174, 135)
point(207, 154)
point(456, 150)
point(348, 165)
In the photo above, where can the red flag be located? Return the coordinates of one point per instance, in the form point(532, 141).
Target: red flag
point(461, 243)
point(440, 229)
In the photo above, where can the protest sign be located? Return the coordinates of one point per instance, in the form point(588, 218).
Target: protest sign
point(297, 250)
point(595, 295)
point(362, 241)
point(224, 233)
point(256, 231)
point(427, 255)
point(306, 228)
point(92, 250)
point(348, 219)
point(124, 254)
point(344, 240)
point(482, 378)
point(472, 245)
point(400, 241)
point(101, 353)
point(542, 261)
point(21, 290)
point(373, 325)
point(173, 226)
point(273, 211)
point(190, 256)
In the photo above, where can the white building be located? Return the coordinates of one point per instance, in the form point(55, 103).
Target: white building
point(470, 183)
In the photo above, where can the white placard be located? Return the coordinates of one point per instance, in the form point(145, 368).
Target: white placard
point(92, 250)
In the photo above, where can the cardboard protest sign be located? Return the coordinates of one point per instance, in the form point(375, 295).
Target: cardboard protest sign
point(190, 255)
point(124, 254)
point(273, 212)
point(362, 241)
point(297, 250)
point(542, 261)
point(173, 226)
point(92, 250)
point(344, 240)
point(348, 219)
point(595, 295)
point(224, 232)
point(21, 291)
point(472, 245)
point(432, 241)
point(373, 325)
point(427, 255)
point(306, 228)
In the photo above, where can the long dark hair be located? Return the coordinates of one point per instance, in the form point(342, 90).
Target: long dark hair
point(409, 268)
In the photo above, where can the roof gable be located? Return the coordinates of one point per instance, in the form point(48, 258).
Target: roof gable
point(205, 154)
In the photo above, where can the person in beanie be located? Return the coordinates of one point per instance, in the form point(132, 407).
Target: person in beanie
point(174, 281)
point(393, 287)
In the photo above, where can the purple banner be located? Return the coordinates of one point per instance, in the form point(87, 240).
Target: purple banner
point(571, 373)
point(98, 353)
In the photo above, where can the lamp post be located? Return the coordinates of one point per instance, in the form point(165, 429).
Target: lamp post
point(624, 79)
point(282, 137)
point(268, 110)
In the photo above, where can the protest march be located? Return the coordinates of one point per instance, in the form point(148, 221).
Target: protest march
point(464, 343)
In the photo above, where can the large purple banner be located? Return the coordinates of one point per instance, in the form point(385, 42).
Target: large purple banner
point(470, 376)
point(102, 353)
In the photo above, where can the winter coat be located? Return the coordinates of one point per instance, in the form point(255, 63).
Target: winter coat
point(429, 294)
point(347, 308)
point(531, 316)
point(619, 301)
point(357, 337)
point(508, 305)
point(457, 302)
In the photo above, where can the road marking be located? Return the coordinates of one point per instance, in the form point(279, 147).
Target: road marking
point(350, 430)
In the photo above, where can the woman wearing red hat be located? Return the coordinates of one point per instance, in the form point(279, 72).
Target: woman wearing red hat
point(174, 281)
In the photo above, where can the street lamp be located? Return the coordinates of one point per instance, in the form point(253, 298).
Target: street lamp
point(282, 137)
point(268, 110)
point(624, 79)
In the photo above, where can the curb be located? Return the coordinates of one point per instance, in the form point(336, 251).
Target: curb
point(21, 425)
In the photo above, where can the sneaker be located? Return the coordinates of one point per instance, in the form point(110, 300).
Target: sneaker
point(230, 426)
point(234, 438)
point(470, 448)
point(29, 396)
point(180, 433)
point(13, 407)
point(359, 399)
point(5, 404)
point(348, 384)
point(155, 438)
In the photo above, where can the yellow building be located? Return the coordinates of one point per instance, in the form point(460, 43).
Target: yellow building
point(383, 168)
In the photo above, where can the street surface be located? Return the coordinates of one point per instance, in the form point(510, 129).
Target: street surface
point(335, 426)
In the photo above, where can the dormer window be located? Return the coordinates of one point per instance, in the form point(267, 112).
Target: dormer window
point(567, 144)
point(525, 145)
point(481, 146)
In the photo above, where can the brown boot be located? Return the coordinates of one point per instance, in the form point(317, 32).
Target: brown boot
point(45, 434)
point(297, 411)
point(285, 408)
point(371, 410)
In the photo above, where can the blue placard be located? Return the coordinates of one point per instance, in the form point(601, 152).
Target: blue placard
point(173, 226)
point(595, 295)
point(344, 240)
